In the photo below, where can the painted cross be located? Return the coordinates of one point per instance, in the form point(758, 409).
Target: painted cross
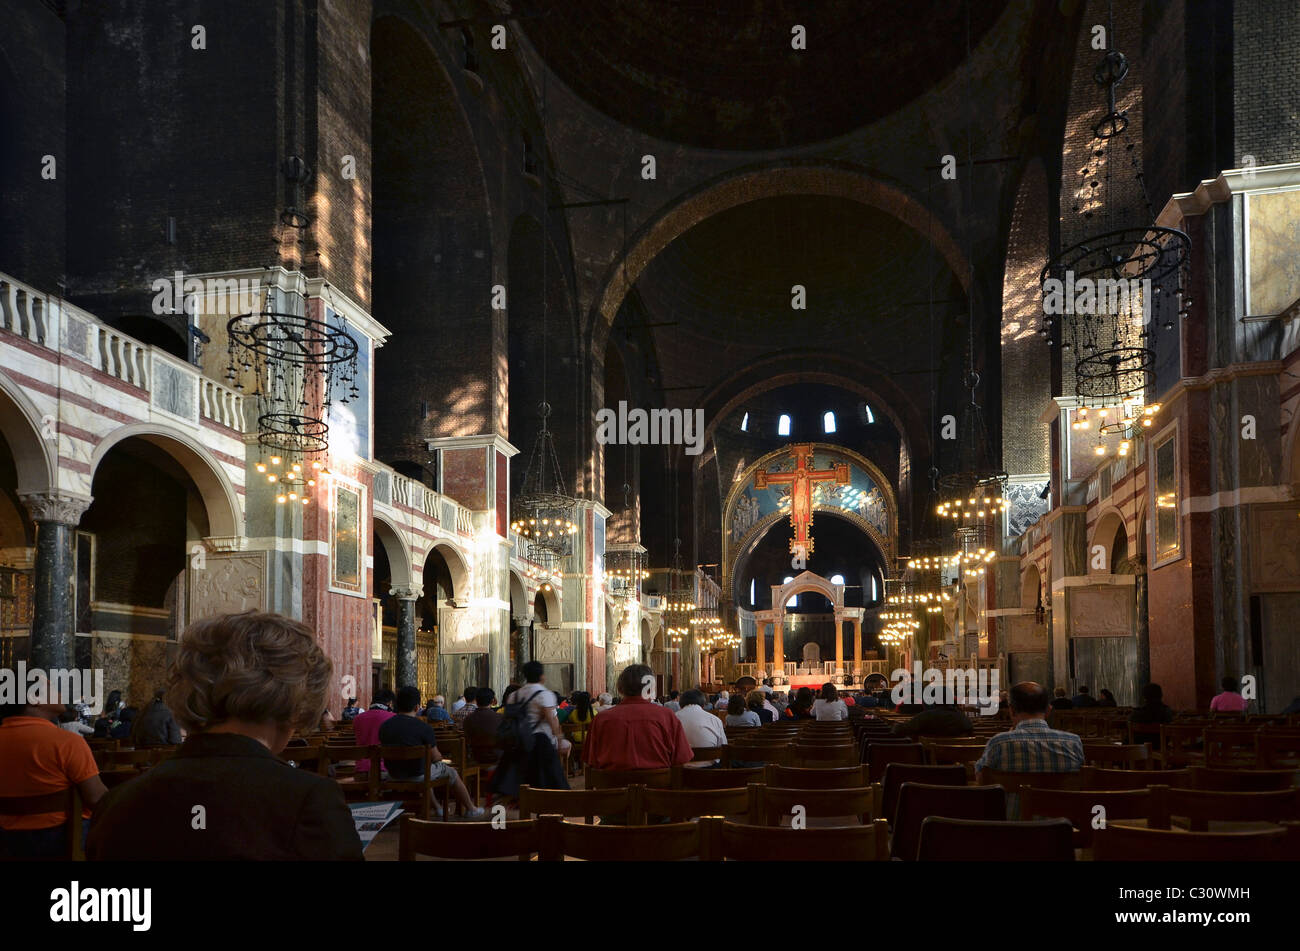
point(801, 482)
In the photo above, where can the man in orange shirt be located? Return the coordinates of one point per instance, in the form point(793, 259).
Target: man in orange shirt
point(37, 759)
point(636, 733)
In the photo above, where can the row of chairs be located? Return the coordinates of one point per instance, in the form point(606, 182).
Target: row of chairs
point(713, 838)
point(337, 760)
point(758, 803)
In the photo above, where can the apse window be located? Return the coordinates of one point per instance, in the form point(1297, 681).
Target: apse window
point(875, 589)
point(783, 425)
point(828, 422)
point(794, 600)
point(837, 579)
point(871, 417)
point(753, 590)
point(744, 424)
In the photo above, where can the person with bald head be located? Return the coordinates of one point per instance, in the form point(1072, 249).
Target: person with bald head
point(1030, 746)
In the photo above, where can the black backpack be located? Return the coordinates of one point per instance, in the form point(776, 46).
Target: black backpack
point(515, 734)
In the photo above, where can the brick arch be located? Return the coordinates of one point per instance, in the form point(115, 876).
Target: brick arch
point(221, 501)
point(1025, 357)
point(457, 567)
point(739, 187)
point(1109, 523)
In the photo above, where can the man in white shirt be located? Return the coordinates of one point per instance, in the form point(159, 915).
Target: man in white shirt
point(673, 702)
point(702, 727)
point(768, 705)
point(723, 699)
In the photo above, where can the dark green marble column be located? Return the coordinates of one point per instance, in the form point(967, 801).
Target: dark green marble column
point(407, 672)
point(53, 621)
point(1142, 622)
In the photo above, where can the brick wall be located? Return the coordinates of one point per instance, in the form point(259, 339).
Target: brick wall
point(1266, 80)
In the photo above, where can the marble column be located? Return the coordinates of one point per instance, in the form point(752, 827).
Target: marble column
point(839, 644)
point(760, 646)
point(1142, 623)
point(778, 647)
point(53, 621)
point(857, 649)
point(522, 652)
point(407, 670)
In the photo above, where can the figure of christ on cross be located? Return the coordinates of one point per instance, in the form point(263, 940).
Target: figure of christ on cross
point(801, 482)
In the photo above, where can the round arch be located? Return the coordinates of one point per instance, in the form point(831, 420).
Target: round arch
point(399, 555)
point(739, 187)
point(20, 423)
point(215, 488)
point(457, 567)
point(1109, 524)
point(1030, 587)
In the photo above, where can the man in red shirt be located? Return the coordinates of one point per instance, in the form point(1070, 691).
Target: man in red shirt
point(636, 733)
point(38, 759)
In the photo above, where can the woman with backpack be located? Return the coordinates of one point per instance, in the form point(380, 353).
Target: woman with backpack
point(530, 738)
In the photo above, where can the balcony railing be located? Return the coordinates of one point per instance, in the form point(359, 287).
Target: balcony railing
point(66, 329)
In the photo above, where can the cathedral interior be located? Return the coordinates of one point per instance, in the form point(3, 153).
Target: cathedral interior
point(784, 340)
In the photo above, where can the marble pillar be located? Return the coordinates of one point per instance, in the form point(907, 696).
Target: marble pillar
point(523, 654)
point(778, 648)
point(839, 644)
point(1142, 622)
point(760, 646)
point(857, 649)
point(406, 673)
point(54, 596)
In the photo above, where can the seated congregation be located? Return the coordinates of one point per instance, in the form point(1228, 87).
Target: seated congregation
point(262, 774)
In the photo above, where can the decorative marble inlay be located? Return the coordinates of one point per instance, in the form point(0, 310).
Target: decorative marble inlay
point(1101, 611)
point(174, 391)
point(554, 645)
point(457, 633)
point(1024, 633)
point(228, 583)
point(1275, 555)
point(1024, 507)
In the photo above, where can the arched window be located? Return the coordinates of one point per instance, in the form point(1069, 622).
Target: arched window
point(794, 599)
point(783, 425)
point(753, 588)
point(875, 589)
point(871, 417)
point(828, 422)
point(837, 579)
point(744, 424)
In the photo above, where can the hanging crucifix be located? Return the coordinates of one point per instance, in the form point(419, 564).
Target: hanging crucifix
point(801, 482)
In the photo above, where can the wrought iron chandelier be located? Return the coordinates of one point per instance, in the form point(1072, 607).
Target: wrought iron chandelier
point(625, 569)
point(680, 602)
point(543, 511)
point(1106, 297)
point(973, 491)
point(300, 366)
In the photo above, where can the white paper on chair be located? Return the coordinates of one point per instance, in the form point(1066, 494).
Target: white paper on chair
point(371, 817)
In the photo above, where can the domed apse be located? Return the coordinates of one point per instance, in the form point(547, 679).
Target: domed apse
point(729, 76)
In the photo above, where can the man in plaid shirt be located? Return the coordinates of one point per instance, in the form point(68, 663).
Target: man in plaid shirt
point(1031, 746)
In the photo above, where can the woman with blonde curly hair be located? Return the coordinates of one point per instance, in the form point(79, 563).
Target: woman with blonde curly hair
point(240, 686)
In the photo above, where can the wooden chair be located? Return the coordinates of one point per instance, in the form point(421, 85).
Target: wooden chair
point(837, 777)
point(1202, 806)
point(355, 787)
point(314, 759)
point(1181, 744)
point(717, 778)
point(471, 840)
point(1127, 841)
point(422, 786)
point(1243, 780)
point(571, 803)
point(671, 842)
point(809, 756)
point(951, 774)
point(678, 805)
point(68, 802)
point(1120, 755)
point(939, 754)
point(754, 843)
point(1079, 806)
point(1093, 777)
point(455, 749)
point(782, 753)
point(878, 757)
point(919, 801)
point(975, 840)
point(772, 803)
point(614, 778)
point(708, 754)
point(1279, 749)
point(1232, 747)
point(1014, 782)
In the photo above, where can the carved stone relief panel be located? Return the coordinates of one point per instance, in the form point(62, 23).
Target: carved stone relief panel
point(1101, 611)
point(228, 583)
point(1275, 548)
